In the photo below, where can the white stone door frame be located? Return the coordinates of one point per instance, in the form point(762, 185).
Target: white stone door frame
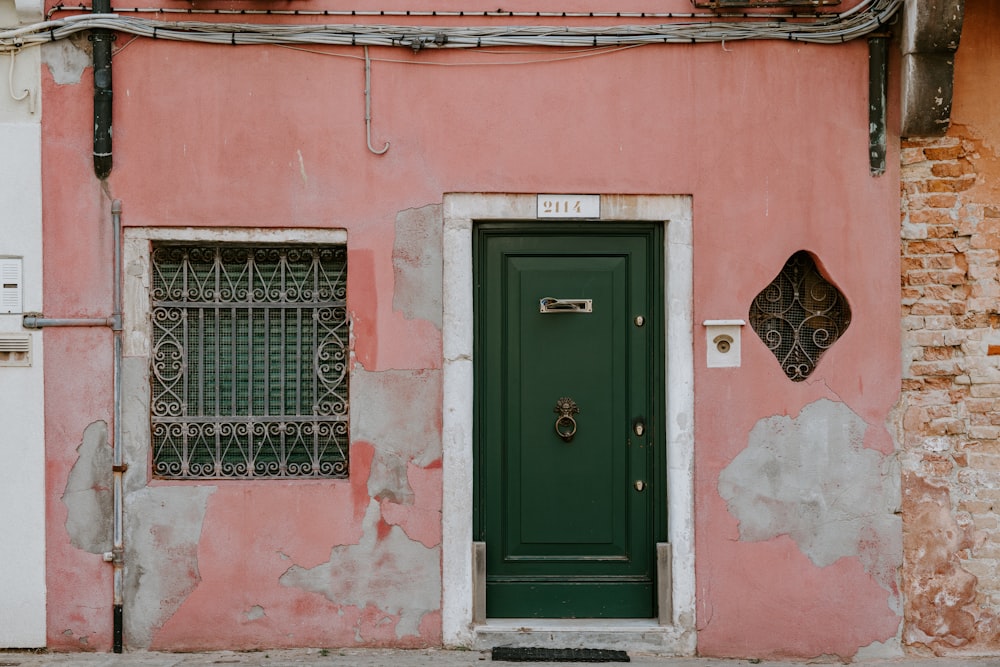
point(461, 211)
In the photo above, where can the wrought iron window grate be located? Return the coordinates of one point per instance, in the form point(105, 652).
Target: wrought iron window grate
point(799, 316)
point(249, 366)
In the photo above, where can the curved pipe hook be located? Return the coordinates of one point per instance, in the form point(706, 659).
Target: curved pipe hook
point(368, 107)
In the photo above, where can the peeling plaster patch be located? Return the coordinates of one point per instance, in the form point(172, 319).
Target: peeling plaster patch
point(811, 478)
point(887, 650)
point(397, 576)
point(162, 530)
point(422, 520)
point(398, 412)
point(255, 612)
point(940, 594)
point(135, 420)
point(88, 496)
point(417, 264)
point(67, 59)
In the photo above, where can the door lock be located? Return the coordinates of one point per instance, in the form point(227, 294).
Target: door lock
point(639, 485)
point(639, 428)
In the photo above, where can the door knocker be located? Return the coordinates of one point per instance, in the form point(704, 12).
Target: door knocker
point(565, 424)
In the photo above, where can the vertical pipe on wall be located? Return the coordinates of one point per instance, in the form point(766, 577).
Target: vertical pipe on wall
point(878, 74)
point(118, 465)
point(102, 40)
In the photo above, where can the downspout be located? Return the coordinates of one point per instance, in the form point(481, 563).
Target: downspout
point(878, 87)
point(102, 39)
point(118, 464)
point(117, 554)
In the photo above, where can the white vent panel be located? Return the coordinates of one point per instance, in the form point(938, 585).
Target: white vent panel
point(15, 349)
point(10, 285)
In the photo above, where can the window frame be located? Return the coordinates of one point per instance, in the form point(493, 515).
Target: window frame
point(137, 248)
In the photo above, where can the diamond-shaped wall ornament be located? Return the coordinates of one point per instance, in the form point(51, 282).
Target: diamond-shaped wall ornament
point(799, 316)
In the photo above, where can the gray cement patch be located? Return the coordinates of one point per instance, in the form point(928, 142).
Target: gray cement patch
point(395, 574)
point(398, 412)
point(812, 479)
point(88, 495)
point(417, 264)
point(67, 59)
point(162, 530)
point(135, 421)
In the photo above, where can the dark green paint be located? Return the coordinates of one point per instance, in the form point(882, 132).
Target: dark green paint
point(567, 534)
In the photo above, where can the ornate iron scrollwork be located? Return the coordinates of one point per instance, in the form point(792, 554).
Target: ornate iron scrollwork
point(799, 316)
point(249, 362)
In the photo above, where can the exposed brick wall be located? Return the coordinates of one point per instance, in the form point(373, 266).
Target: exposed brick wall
point(949, 417)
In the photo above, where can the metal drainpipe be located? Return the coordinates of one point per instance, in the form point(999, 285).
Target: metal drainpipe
point(117, 555)
point(102, 39)
point(878, 74)
point(118, 464)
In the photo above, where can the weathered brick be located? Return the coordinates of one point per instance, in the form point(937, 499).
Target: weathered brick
point(939, 411)
point(920, 142)
point(930, 308)
point(948, 184)
point(919, 278)
point(938, 292)
point(939, 261)
point(985, 391)
point(944, 152)
point(950, 169)
point(980, 405)
point(930, 247)
point(937, 465)
point(975, 507)
point(984, 461)
point(911, 155)
point(938, 353)
point(941, 201)
point(939, 322)
point(935, 368)
point(933, 216)
point(945, 231)
point(982, 304)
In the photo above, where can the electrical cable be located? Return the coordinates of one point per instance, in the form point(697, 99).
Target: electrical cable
point(852, 24)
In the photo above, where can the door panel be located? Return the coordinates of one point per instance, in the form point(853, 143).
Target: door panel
point(567, 532)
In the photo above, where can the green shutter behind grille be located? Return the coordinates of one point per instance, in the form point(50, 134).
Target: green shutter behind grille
point(249, 362)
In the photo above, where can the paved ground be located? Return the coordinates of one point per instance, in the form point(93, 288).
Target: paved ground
point(402, 658)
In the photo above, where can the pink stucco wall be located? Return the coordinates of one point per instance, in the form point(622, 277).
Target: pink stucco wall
point(771, 140)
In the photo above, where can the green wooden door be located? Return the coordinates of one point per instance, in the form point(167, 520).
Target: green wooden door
point(570, 524)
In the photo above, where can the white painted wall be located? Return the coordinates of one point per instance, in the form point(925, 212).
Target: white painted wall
point(22, 441)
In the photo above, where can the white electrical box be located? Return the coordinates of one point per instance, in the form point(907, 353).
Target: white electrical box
point(11, 288)
point(722, 340)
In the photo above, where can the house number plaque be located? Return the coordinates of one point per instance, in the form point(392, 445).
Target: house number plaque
point(568, 206)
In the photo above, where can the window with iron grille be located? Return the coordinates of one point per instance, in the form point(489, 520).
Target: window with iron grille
point(249, 361)
point(799, 316)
